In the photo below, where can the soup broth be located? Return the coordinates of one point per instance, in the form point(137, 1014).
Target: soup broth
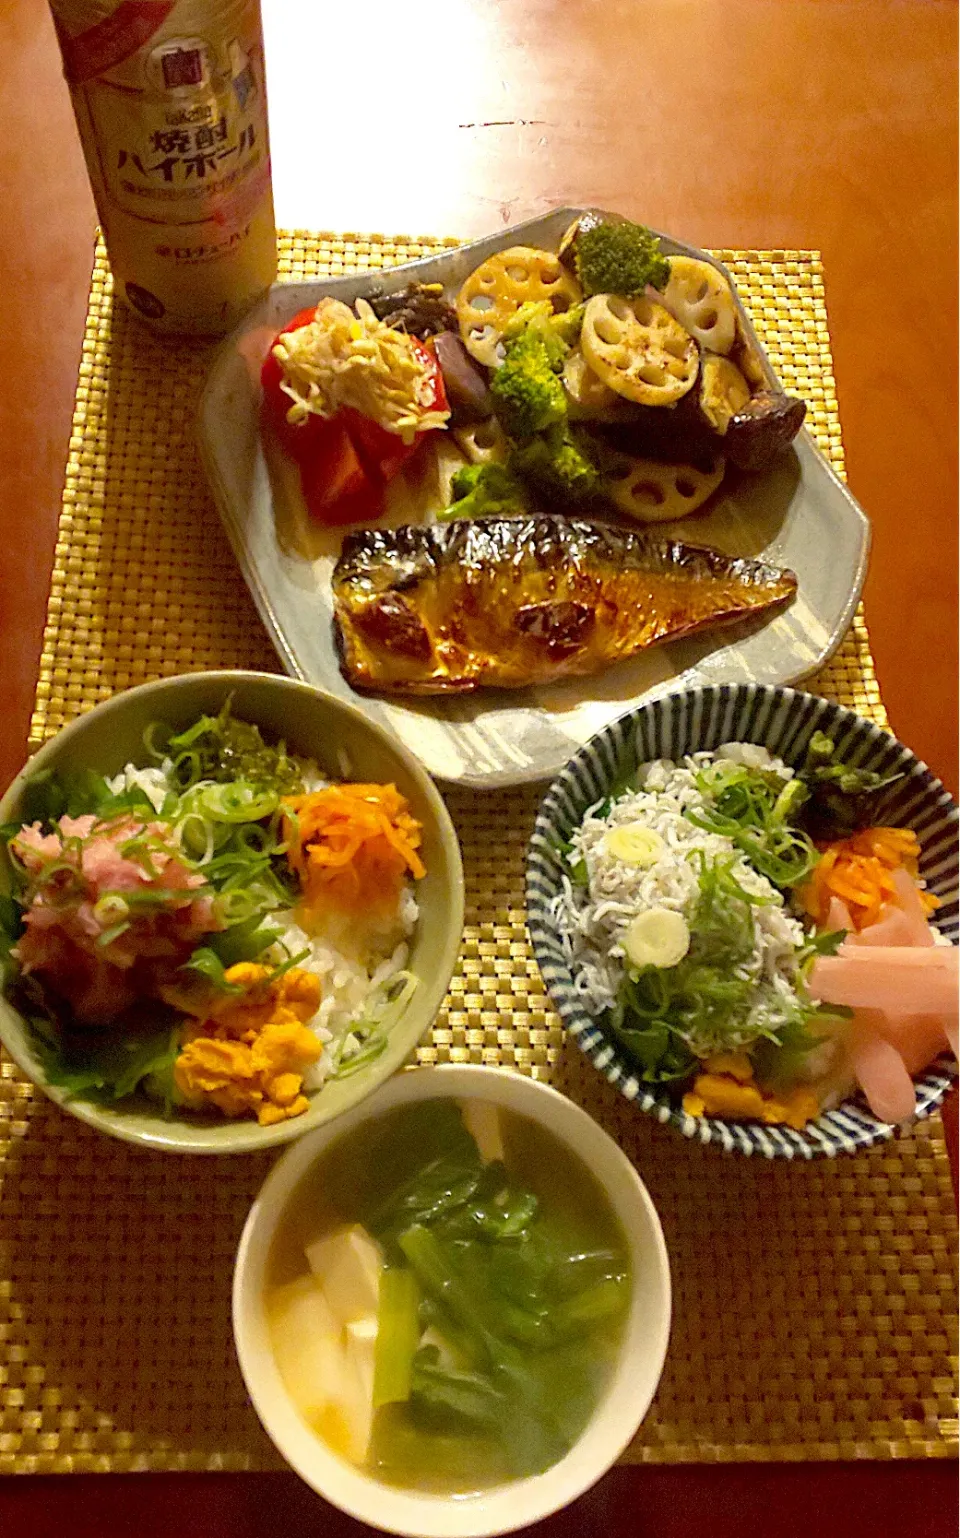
point(446, 1296)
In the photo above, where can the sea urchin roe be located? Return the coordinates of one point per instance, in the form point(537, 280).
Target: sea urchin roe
point(727, 1089)
point(352, 846)
point(250, 1052)
point(346, 359)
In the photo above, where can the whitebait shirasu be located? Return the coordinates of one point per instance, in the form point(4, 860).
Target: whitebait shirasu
point(592, 919)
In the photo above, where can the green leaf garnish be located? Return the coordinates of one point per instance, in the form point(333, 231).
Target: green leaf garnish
point(108, 1067)
point(207, 964)
point(755, 809)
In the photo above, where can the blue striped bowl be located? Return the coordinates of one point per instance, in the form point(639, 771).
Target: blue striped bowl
point(782, 720)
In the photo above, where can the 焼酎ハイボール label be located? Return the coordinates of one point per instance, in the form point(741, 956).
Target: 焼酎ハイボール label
point(170, 101)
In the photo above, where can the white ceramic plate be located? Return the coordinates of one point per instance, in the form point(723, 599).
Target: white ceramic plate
point(798, 514)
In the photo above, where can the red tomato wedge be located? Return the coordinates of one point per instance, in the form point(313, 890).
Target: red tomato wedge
point(345, 460)
point(383, 454)
point(276, 403)
point(336, 487)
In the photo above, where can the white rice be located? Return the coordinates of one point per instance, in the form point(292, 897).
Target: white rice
point(355, 967)
point(592, 920)
point(355, 963)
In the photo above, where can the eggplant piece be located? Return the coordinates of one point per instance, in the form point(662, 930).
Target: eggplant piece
point(763, 428)
point(466, 387)
point(672, 433)
point(715, 416)
point(567, 250)
point(695, 428)
point(419, 309)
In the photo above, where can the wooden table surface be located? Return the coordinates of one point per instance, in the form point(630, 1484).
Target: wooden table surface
point(750, 123)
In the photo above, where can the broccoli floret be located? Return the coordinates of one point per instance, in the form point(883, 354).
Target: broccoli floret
point(536, 313)
point(484, 491)
point(619, 259)
point(527, 395)
point(568, 325)
point(557, 467)
point(557, 331)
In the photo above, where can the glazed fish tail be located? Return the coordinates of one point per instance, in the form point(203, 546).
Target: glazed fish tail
point(501, 603)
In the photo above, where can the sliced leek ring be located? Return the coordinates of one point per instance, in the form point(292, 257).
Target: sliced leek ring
point(494, 292)
point(657, 938)
point(638, 349)
point(653, 492)
point(635, 844)
point(700, 298)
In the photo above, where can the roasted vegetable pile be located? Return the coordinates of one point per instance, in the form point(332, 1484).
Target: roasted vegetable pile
point(618, 376)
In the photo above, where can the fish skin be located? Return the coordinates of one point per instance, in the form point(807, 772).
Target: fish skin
point(508, 602)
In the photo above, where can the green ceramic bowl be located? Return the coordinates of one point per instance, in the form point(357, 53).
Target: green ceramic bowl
point(333, 733)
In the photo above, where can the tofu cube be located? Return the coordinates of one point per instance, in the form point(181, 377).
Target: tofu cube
point(307, 1344)
point(482, 1121)
point(361, 1348)
point(347, 1264)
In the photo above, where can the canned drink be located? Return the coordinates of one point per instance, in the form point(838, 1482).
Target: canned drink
point(170, 101)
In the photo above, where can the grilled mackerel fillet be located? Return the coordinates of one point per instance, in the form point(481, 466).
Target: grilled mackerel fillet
point(500, 603)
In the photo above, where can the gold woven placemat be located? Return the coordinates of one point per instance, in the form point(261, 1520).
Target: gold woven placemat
point(814, 1305)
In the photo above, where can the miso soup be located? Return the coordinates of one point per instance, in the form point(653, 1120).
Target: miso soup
point(446, 1297)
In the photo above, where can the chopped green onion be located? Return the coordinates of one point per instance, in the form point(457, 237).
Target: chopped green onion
point(239, 802)
point(238, 905)
point(258, 840)
point(287, 966)
point(156, 741)
point(186, 770)
point(207, 963)
point(196, 838)
point(139, 849)
point(114, 933)
point(751, 807)
point(243, 942)
point(372, 1031)
point(111, 908)
point(192, 734)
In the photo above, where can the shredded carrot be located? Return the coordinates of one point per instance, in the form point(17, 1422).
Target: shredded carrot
point(859, 870)
point(351, 846)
